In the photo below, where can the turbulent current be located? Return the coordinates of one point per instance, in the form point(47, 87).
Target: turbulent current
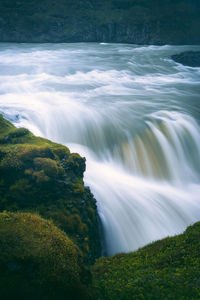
point(132, 112)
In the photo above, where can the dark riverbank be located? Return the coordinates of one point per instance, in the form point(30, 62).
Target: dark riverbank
point(128, 21)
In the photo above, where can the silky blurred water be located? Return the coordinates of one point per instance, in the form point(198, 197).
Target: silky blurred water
point(132, 112)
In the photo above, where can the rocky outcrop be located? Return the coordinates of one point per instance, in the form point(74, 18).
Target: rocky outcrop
point(189, 58)
point(39, 176)
point(127, 21)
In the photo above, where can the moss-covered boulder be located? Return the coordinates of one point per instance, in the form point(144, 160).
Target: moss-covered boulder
point(40, 176)
point(38, 261)
point(166, 269)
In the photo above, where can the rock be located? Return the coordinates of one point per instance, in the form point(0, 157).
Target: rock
point(190, 58)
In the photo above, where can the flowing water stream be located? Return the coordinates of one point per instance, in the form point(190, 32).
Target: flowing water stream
point(132, 112)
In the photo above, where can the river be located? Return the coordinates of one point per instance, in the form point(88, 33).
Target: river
point(132, 112)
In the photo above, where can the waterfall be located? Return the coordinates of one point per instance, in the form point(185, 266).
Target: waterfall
point(132, 112)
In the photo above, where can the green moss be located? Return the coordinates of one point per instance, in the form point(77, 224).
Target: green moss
point(38, 175)
point(39, 261)
point(49, 167)
point(166, 269)
point(5, 126)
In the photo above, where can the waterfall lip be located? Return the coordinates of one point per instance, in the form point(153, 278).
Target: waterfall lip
point(148, 196)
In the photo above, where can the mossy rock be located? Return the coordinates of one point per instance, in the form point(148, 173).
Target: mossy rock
point(39, 261)
point(166, 269)
point(40, 176)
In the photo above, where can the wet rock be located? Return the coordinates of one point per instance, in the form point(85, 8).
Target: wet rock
point(189, 58)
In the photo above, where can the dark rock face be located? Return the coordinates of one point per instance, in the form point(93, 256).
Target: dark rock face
point(127, 21)
point(190, 58)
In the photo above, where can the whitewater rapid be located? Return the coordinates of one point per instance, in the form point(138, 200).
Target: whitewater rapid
point(132, 112)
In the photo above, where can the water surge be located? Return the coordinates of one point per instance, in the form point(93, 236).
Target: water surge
point(132, 111)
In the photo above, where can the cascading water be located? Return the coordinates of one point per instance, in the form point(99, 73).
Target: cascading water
point(134, 114)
